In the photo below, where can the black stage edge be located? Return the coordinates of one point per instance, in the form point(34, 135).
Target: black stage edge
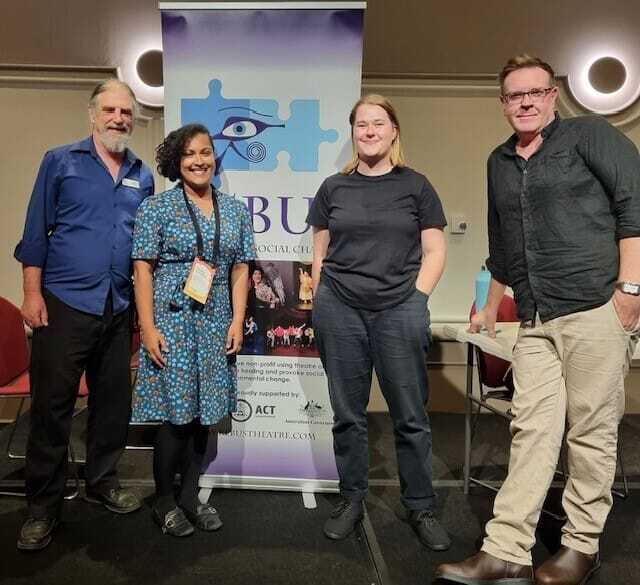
point(270, 538)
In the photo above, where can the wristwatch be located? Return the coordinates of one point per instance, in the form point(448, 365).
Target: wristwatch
point(628, 288)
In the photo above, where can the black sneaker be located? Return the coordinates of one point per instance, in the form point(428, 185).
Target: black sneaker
point(36, 533)
point(343, 519)
point(118, 500)
point(430, 532)
point(174, 522)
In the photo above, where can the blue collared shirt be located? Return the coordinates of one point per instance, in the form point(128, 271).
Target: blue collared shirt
point(79, 226)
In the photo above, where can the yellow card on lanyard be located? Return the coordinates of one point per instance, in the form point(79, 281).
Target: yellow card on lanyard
point(198, 283)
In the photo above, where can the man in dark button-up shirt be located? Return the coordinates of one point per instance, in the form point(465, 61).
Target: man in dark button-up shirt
point(75, 253)
point(564, 233)
point(555, 220)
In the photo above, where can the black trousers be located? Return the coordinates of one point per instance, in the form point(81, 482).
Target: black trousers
point(72, 343)
point(394, 342)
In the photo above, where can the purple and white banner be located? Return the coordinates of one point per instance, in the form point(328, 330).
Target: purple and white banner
point(274, 83)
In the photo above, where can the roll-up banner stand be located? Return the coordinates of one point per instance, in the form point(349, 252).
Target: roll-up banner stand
point(274, 82)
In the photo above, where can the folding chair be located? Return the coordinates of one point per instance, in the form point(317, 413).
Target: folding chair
point(495, 383)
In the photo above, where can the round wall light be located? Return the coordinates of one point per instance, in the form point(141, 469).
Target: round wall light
point(149, 68)
point(605, 85)
point(142, 70)
point(607, 75)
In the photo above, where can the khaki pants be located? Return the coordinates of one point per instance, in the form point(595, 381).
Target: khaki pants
point(568, 369)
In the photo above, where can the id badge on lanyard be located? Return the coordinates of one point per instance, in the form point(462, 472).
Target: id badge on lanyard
point(201, 275)
point(199, 281)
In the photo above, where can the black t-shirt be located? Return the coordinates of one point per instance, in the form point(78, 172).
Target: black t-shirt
point(374, 224)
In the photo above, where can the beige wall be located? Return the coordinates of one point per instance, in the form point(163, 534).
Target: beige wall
point(41, 111)
point(447, 131)
point(449, 125)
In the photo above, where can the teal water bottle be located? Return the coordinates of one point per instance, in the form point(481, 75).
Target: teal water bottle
point(482, 287)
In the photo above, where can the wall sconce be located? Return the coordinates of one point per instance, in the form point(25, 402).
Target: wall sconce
point(144, 75)
point(605, 85)
point(149, 68)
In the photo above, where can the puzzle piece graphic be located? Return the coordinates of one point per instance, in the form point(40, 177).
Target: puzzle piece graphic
point(248, 133)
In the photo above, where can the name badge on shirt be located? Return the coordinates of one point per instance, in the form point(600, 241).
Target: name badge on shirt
point(131, 183)
point(199, 281)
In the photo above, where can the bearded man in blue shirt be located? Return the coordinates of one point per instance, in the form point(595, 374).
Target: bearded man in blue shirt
point(75, 253)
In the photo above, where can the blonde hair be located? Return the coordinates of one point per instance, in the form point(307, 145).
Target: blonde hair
point(396, 155)
point(524, 61)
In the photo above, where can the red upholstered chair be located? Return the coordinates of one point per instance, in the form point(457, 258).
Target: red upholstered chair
point(14, 375)
point(495, 383)
point(494, 374)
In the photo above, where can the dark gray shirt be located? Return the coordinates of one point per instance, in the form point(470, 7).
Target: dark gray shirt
point(555, 220)
point(374, 224)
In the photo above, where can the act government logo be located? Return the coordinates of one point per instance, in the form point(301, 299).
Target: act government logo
point(243, 411)
point(248, 133)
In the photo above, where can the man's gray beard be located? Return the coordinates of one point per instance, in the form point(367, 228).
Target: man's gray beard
point(115, 144)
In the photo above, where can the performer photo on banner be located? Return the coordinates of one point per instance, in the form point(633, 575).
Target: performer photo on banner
point(305, 287)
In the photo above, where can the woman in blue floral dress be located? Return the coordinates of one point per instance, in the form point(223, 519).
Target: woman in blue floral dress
point(187, 379)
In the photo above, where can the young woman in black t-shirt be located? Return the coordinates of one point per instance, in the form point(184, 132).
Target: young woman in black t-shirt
point(379, 251)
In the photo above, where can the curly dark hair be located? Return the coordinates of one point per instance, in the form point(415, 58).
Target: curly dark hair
point(169, 153)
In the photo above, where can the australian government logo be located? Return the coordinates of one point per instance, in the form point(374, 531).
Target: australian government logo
point(312, 411)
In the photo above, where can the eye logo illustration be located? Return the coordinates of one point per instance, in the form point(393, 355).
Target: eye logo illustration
point(249, 135)
point(239, 129)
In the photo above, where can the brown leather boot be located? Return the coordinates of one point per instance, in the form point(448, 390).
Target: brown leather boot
point(485, 569)
point(567, 567)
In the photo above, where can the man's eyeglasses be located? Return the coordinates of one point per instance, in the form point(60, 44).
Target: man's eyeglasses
point(537, 94)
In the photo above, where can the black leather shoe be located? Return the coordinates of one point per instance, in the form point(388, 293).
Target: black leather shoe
point(36, 533)
point(205, 518)
point(485, 569)
point(174, 522)
point(118, 500)
point(430, 532)
point(343, 519)
point(567, 567)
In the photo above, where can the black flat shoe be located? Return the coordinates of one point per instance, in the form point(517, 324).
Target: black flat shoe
point(206, 518)
point(174, 522)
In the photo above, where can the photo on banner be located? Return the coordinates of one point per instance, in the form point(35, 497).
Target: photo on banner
point(274, 85)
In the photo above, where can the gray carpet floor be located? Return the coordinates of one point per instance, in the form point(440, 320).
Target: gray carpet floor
point(269, 537)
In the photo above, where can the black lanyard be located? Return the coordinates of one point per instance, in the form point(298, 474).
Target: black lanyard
point(196, 227)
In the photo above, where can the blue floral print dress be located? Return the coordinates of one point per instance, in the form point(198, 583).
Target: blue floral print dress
point(198, 381)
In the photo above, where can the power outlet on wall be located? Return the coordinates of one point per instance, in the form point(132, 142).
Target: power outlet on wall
point(458, 224)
